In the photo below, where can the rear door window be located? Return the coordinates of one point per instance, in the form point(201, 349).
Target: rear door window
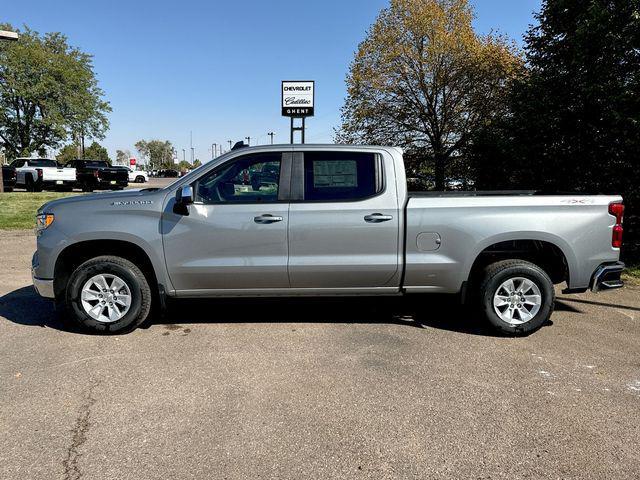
point(337, 176)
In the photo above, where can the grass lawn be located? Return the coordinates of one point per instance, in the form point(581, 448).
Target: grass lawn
point(18, 209)
point(632, 274)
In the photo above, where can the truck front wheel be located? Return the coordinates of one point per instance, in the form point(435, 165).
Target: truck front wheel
point(108, 294)
point(517, 296)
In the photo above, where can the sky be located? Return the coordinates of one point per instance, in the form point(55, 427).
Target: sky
point(214, 67)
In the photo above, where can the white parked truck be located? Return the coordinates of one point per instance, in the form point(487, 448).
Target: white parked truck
point(37, 174)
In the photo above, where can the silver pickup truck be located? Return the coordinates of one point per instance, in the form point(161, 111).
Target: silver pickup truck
point(331, 220)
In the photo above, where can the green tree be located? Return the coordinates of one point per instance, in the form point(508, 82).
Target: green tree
point(157, 153)
point(424, 80)
point(67, 153)
point(48, 93)
point(575, 120)
point(95, 151)
point(122, 157)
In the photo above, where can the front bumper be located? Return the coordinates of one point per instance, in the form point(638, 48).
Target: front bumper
point(43, 287)
point(607, 277)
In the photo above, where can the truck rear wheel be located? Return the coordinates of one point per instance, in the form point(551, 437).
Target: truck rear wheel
point(517, 296)
point(108, 294)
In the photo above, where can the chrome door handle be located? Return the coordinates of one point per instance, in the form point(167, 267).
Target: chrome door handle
point(267, 218)
point(377, 218)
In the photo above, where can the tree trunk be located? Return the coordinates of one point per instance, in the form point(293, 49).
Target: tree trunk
point(440, 161)
point(1, 180)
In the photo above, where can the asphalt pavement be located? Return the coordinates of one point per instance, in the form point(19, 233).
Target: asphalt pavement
point(317, 389)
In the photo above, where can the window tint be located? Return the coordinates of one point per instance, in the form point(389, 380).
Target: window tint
point(41, 162)
point(334, 176)
point(250, 179)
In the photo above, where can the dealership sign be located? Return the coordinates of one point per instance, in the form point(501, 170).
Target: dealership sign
point(298, 99)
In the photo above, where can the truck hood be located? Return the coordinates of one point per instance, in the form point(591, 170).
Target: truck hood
point(126, 197)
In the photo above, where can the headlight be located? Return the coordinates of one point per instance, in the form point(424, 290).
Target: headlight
point(43, 220)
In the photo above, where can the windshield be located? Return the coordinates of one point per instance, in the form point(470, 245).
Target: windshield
point(41, 162)
point(196, 172)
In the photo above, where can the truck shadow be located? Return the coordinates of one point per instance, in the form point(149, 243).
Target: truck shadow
point(25, 307)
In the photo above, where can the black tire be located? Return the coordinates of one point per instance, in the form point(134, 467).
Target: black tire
point(87, 188)
point(8, 189)
point(255, 186)
point(498, 273)
point(139, 179)
point(37, 187)
point(141, 296)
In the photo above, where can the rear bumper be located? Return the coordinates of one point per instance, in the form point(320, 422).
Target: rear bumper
point(607, 277)
point(58, 183)
point(107, 184)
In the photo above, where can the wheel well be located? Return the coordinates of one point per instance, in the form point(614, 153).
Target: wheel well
point(543, 254)
point(74, 255)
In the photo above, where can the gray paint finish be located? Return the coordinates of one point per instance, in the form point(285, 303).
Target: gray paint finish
point(327, 248)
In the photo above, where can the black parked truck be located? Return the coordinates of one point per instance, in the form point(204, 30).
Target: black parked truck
point(99, 175)
point(8, 178)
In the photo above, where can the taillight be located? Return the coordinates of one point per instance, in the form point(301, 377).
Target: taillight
point(617, 210)
point(96, 173)
point(616, 240)
point(39, 170)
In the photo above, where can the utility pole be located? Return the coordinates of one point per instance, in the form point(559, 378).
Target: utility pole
point(11, 36)
point(191, 145)
point(248, 139)
point(271, 134)
point(214, 150)
point(184, 155)
point(230, 144)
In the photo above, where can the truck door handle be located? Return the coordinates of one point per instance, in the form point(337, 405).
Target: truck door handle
point(267, 218)
point(377, 218)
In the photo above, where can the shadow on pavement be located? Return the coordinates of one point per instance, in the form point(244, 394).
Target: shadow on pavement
point(600, 304)
point(25, 307)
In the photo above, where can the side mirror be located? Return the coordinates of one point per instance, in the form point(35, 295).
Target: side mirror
point(184, 198)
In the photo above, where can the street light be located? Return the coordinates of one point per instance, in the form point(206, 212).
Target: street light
point(12, 36)
point(248, 139)
point(271, 134)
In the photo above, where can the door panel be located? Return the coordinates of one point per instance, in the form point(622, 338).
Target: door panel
point(343, 244)
point(235, 236)
point(224, 247)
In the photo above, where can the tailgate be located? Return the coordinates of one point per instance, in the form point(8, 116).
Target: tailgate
point(61, 173)
point(117, 174)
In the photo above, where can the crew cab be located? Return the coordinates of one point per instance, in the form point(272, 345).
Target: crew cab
point(37, 174)
point(8, 178)
point(98, 175)
point(336, 220)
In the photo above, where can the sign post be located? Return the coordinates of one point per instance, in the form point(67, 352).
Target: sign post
point(298, 99)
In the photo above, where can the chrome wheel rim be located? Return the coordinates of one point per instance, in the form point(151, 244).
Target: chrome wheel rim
point(106, 298)
point(517, 300)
